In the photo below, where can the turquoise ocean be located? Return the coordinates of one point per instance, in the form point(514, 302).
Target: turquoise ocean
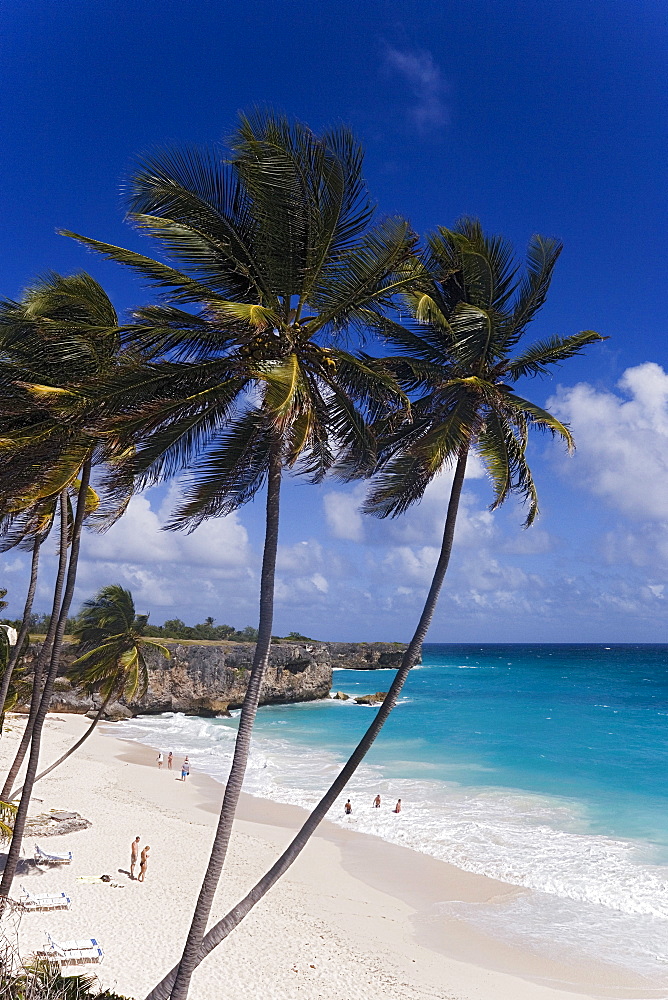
point(545, 766)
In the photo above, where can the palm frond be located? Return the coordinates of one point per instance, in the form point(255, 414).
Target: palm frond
point(7, 816)
point(541, 258)
point(410, 467)
point(364, 278)
point(539, 418)
point(194, 190)
point(229, 474)
point(181, 287)
point(109, 613)
point(537, 359)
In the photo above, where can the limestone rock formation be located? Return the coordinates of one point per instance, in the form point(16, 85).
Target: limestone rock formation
point(208, 678)
point(366, 655)
point(371, 699)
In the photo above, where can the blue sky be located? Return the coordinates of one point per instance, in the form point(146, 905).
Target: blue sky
point(546, 117)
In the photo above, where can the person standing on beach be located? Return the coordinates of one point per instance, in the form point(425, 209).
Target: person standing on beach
point(397, 808)
point(376, 802)
point(170, 758)
point(134, 851)
point(143, 864)
point(160, 759)
point(348, 808)
point(185, 769)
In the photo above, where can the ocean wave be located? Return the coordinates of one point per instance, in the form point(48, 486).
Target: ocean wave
point(563, 929)
point(522, 838)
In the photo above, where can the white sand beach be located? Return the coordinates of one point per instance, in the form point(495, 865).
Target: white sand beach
point(353, 919)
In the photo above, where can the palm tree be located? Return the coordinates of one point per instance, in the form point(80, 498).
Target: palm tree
point(55, 344)
point(276, 260)
point(7, 815)
point(44, 980)
point(27, 525)
point(113, 658)
point(471, 308)
point(7, 810)
point(65, 524)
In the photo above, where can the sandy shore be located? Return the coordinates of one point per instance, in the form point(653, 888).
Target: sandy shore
point(355, 917)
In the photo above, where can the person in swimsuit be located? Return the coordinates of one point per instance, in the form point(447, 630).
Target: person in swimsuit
point(348, 808)
point(134, 851)
point(143, 864)
point(160, 759)
point(397, 808)
point(376, 802)
point(185, 769)
point(170, 758)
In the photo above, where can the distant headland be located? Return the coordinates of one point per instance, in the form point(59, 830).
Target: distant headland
point(209, 677)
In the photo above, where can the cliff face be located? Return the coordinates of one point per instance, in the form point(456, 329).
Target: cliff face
point(366, 655)
point(207, 679)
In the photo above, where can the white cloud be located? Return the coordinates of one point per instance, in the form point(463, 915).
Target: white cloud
point(138, 538)
point(301, 592)
point(405, 563)
point(643, 546)
point(343, 515)
point(429, 110)
point(622, 443)
point(422, 523)
point(301, 558)
point(529, 543)
point(209, 571)
point(320, 583)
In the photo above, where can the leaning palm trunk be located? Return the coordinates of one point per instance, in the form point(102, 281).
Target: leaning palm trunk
point(43, 653)
point(224, 927)
point(72, 749)
point(189, 959)
point(36, 738)
point(23, 631)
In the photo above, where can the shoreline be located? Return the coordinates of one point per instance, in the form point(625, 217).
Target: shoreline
point(337, 902)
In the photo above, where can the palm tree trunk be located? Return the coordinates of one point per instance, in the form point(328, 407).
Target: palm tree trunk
point(225, 926)
point(72, 749)
point(23, 631)
point(242, 745)
point(44, 651)
point(35, 742)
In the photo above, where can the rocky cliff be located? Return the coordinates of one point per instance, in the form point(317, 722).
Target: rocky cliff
point(208, 678)
point(366, 655)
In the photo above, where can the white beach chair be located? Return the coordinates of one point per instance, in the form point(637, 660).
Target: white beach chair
point(45, 901)
point(46, 858)
point(84, 952)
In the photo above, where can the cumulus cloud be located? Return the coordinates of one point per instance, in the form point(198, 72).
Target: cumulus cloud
point(423, 522)
point(428, 111)
point(643, 546)
point(355, 577)
point(138, 538)
point(622, 440)
point(302, 557)
point(343, 515)
point(214, 567)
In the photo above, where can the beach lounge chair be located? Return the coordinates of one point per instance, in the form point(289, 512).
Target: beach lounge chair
point(51, 858)
point(84, 952)
point(45, 901)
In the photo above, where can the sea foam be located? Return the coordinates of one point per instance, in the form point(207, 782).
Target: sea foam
point(518, 837)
